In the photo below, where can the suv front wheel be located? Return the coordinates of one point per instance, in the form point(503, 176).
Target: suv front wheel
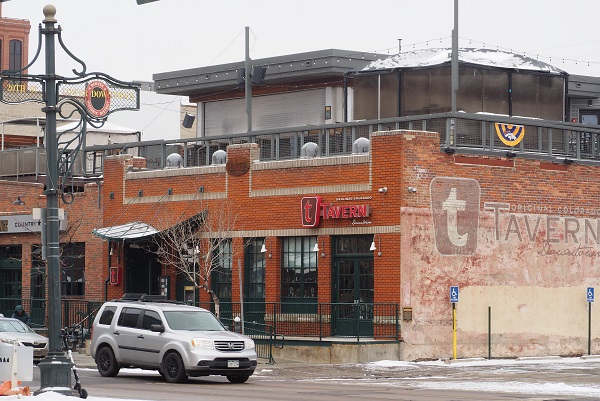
point(106, 362)
point(173, 369)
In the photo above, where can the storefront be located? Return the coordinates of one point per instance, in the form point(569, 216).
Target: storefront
point(343, 245)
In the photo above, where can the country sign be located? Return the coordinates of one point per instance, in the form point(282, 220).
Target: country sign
point(510, 134)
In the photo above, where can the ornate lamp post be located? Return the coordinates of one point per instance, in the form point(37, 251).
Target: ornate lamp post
point(92, 96)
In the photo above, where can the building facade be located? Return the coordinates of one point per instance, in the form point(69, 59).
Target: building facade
point(401, 224)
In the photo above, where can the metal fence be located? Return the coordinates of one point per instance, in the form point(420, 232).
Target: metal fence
point(463, 132)
point(379, 321)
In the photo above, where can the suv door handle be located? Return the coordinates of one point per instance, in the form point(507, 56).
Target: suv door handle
point(116, 333)
point(141, 336)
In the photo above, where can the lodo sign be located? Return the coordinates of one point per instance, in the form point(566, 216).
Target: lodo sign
point(313, 210)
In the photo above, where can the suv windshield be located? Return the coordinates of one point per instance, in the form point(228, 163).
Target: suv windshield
point(193, 321)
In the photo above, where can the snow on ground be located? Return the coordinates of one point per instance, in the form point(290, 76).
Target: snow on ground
point(447, 375)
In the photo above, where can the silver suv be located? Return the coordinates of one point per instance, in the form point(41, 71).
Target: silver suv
point(176, 339)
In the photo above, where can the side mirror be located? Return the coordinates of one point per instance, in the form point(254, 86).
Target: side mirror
point(157, 328)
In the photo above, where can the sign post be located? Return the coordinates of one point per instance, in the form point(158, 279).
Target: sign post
point(93, 96)
point(590, 299)
point(454, 301)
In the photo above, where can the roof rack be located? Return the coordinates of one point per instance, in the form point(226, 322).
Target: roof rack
point(142, 297)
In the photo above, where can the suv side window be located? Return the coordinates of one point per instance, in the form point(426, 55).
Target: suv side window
point(150, 317)
point(107, 315)
point(129, 317)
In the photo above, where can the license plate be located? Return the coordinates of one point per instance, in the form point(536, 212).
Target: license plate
point(233, 363)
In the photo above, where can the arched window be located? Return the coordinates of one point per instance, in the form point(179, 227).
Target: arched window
point(15, 55)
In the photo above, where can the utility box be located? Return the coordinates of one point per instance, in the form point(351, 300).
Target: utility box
point(16, 358)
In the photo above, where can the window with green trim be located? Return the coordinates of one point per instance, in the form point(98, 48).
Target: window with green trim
point(299, 270)
point(256, 273)
point(221, 275)
point(72, 269)
point(38, 273)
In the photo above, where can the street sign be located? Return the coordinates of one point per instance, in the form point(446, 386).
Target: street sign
point(454, 294)
point(590, 294)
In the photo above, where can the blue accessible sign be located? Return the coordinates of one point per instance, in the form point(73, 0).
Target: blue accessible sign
point(454, 294)
point(590, 294)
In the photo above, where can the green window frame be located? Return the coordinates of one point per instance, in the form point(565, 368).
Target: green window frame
point(256, 274)
point(72, 269)
point(38, 273)
point(299, 270)
point(221, 274)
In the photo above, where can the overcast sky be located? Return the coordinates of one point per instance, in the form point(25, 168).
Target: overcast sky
point(133, 42)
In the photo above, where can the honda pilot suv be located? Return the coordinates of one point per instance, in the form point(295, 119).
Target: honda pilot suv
point(176, 339)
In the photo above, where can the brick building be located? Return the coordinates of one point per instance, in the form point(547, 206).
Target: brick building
point(519, 237)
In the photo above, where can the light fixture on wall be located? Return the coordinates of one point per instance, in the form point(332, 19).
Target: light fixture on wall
point(378, 247)
point(316, 248)
point(18, 201)
point(263, 248)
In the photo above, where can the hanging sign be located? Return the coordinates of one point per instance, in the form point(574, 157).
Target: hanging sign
point(100, 96)
point(510, 134)
point(20, 90)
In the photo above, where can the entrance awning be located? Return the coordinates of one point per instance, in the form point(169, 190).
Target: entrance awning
point(134, 230)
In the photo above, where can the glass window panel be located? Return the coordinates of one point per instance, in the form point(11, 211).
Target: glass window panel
point(495, 91)
point(524, 95)
point(365, 96)
point(389, 94)
point(72, 258)
point(299, 268)
point(440, 90)
point(551, 97)
point(415, 92)
point(469, 97)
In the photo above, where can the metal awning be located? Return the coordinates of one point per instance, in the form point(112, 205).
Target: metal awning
point(134, 230)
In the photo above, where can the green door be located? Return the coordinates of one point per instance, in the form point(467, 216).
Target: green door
point(352, 311)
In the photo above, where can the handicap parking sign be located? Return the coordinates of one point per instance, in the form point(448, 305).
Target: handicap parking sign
point(590, 294)
point(454, 294)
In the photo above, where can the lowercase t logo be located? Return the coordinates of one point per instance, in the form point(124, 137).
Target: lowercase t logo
point(310, 209)
point(455, 210)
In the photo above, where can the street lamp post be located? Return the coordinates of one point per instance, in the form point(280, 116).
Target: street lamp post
point(88, 95)
point(55, 368)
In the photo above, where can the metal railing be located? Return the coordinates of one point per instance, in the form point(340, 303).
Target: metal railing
point(267, 323)
point(264, 336)
point(377, 321)
point(77, 316)
point(464, 132)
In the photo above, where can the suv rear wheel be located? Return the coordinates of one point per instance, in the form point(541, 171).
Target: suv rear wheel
point(173, 369)
point(106, 362)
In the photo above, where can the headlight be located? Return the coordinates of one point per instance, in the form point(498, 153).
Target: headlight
point(203, 343)
point(249, 344)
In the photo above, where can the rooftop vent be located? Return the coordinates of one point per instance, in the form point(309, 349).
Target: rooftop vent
point(174, 160)
point(219, 157)
point(361, 145)
point(309, 150)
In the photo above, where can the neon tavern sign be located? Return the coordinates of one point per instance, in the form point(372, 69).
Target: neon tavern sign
point(313, 210)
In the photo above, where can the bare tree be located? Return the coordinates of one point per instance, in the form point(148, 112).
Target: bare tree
point(198, 246)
